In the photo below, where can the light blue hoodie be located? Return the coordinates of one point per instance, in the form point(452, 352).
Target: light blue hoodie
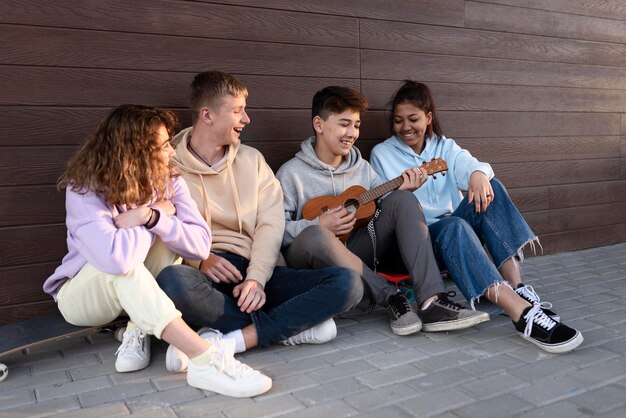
point(438, 197)
point(305, 177)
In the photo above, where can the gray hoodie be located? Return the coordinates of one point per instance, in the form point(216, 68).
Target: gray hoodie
point(305, 177)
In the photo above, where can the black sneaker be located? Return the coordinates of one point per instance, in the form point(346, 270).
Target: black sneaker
point(527, 293)
point(554, 337)
point(445, 315)
point(402, 318)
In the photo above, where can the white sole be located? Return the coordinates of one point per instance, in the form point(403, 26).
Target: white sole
point(408, 330)
point(557, 348)
point(456, 325)
point(235, 393)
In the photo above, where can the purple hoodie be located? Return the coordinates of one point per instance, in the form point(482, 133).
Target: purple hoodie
point(92, 237)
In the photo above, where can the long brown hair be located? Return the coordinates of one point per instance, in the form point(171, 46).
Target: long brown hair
point(120, 160)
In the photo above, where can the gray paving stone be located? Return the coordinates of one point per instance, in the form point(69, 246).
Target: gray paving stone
point(330, 392)
point(42, 409)
point(444, 361)
point(550, 389)
point(386, 360)
point(433, 403)
point(381, 397)
point(59, 390)
point(390, 376)
point(491, 365)
point(347, 370)
point(291, 384)
point(603, 399)
point(296, 367)
point(146, 411)
point(538, 370)
point(493, 385)
point(392, 411)
point(17, 397)
point(115, 393)
point(267, 408)
point(21, 380)
point(501, 406)
point(165, 398)
point(564, 409)
point(442, 380)
point(336, 409)
point(210, 406)
point(117, 409)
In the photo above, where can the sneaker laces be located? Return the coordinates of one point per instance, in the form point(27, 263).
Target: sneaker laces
point(225, 361)
point(537, 316)
point(399, 304)
point(132, 341)
point(447, 303)
point(527, 292)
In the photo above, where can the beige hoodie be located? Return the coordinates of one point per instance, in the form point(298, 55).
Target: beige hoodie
point(242, 202)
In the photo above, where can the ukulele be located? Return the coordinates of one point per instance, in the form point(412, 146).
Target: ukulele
point(358, 199)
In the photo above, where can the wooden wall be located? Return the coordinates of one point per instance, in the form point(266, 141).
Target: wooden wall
point(536, 88)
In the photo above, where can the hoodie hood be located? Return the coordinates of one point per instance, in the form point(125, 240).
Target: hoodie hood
point(188, 164)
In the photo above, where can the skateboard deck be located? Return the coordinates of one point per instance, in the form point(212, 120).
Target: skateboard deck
point(43, 330)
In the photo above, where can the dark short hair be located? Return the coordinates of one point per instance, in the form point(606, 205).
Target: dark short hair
point(419, 95)
point(337, 99)
point(209, 87)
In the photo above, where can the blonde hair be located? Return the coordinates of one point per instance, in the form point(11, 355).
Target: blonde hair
point(120, 161)
point(209, 87)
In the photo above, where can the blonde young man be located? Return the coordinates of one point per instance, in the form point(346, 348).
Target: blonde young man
point(238, 289)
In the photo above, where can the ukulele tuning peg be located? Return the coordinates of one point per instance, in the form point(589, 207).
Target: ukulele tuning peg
point(434, 177)
point(443, 173)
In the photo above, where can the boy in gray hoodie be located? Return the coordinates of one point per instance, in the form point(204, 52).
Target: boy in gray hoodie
point(329, 165)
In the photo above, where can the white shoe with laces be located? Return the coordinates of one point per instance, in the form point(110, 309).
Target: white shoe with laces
point(134, 353)
point(319, 334)
point(224, 374)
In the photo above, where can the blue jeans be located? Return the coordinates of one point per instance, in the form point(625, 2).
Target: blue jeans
point(296, 300)
point(458, 242)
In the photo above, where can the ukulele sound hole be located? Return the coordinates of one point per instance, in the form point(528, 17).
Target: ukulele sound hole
point(351, 205)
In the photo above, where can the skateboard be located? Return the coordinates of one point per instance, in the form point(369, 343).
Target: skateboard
point(43, 330)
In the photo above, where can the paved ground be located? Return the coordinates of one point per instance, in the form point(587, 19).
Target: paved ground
point(487, 371)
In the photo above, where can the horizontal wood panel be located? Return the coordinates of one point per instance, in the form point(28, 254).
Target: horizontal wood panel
point(612, 9)
point(393, 65)
point(506, 124)
point(586, 194)
point(583, 238)
point(502, 150)
point(189, 19)
point(80, 48)
point(583, 217)
point(530, 173)
point(397, 36)
point(25, 284)
point(539, 222)
point(30, 86)
point(530, 198)
point(22, 205)
point(443, 12)
point(541, 22)
point(33, 165)
point(27, 125)
point(24, 246)
point(476, 97)
point(16, 313)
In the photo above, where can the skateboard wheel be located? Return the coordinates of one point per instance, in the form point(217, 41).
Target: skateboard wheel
point(119, 333)
point(4, 372)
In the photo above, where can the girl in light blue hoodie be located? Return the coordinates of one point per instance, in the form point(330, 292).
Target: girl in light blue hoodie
point(461, 226)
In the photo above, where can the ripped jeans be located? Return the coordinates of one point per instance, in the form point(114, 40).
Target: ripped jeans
point(458, 241)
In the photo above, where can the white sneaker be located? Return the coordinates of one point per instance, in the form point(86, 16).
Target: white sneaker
point(175, 360)
point(134, 353)
point(319, 334)
point(226, 375)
